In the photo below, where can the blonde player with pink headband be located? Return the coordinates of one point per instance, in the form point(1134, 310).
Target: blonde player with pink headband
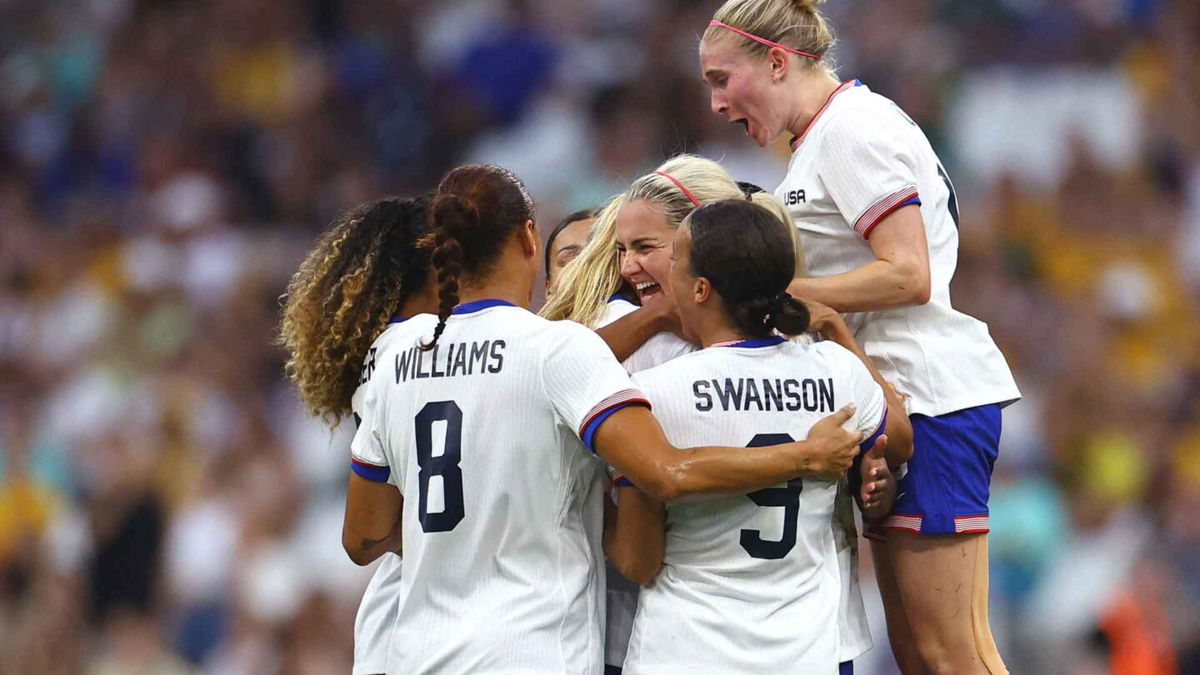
point(878, 220)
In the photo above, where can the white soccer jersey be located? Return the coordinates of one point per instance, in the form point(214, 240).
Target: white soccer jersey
point(622, 595)
point(653, 352)
point(502, 514)
point(750, 583)
point(860, 159)
point(373, 625)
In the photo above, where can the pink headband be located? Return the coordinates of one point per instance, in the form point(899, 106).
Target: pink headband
point(686, 191)
point(763, 40)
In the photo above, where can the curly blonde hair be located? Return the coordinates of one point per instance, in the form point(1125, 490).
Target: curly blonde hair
point(343, 295)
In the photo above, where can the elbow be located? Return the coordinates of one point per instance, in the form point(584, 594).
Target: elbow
point(356, 553)
point(914, 285)
point(664, 486)
point(640, 572)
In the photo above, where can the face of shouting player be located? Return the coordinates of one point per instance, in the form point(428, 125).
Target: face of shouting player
point(644, 242)
point(745, 90)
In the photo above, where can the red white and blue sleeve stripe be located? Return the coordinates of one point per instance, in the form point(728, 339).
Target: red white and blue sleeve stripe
point(884, 207)
point(375, 473)
point(602, 410)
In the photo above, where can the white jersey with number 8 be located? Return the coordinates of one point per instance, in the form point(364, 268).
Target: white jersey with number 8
point(502, 500)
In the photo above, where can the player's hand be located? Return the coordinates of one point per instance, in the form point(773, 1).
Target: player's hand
point(878, 491)
point(822, 318)
point(831, 449)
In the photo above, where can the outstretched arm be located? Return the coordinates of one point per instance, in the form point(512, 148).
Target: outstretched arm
point(628, 333)
point(830, 325)
point(632, 441)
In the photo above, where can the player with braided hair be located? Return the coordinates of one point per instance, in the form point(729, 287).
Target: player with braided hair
point(488, 424)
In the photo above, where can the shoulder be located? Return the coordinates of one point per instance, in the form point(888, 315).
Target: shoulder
point(681, 367)
point(862, 114)
point(615, 309)
point(833, 354)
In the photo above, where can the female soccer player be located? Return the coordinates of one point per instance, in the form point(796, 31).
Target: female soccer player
point(766, 563)
point(487, 422)
point(630, 246)
point(565, 242)
point(365, 269)
point(879, 223)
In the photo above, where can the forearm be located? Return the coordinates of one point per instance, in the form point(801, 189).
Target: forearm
point(634, 541)
point(625, 335)
point(364, 547)
point(899, 430)
point(713, 470)
point(874, 286)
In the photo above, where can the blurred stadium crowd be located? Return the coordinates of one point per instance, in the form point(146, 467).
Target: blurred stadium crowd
point(165, 506)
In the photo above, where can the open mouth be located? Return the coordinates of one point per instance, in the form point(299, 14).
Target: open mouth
point(647, 289)
point(745, 124)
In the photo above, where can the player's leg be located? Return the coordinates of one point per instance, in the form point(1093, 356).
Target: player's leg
point(900, 636)
point(943, 584)
point(937, 541)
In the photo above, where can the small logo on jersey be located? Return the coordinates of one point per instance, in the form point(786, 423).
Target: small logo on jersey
point(794, 197)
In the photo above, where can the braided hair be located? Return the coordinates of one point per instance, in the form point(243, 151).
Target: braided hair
point(476, 208)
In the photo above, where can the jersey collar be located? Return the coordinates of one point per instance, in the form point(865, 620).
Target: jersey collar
point(769, 341)
point(399, 319)
point(797, 140)
point(477, 305)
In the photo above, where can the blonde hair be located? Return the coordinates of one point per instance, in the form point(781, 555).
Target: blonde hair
point(587, 282)
point(795, 23)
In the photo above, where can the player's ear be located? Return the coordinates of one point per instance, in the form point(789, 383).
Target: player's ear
point(702, 290)
point(529, 239)
point(779, 62)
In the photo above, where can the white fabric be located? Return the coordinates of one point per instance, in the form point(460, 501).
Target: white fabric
point(714, 607)
point(861, 156)
point(622, 594)
point(656, 351)
point(514, 585)
point(374, 623)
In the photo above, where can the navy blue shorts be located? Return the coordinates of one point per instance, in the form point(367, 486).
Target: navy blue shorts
point(946, 488)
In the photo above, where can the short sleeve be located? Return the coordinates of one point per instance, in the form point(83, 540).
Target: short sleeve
point(367, 456)
point(870, 416)
point(867, 169)
point(583, 380)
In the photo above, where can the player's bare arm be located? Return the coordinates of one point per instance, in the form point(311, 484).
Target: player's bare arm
point(829, 324)
point(372, 522)
point(635, 540)
point(627, 334)
point(632, 441)
point(899, 277)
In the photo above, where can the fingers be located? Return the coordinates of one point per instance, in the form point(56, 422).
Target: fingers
point(842, 416)
point(877, 450)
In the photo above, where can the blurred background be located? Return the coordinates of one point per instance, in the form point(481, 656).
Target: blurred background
point(165, 505)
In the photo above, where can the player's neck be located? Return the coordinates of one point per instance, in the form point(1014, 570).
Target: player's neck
point(508, 281)
point(812, 92)
point(717, 331)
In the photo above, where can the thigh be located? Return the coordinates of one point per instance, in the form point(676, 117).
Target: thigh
point(900, 635)
point(943, 584)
